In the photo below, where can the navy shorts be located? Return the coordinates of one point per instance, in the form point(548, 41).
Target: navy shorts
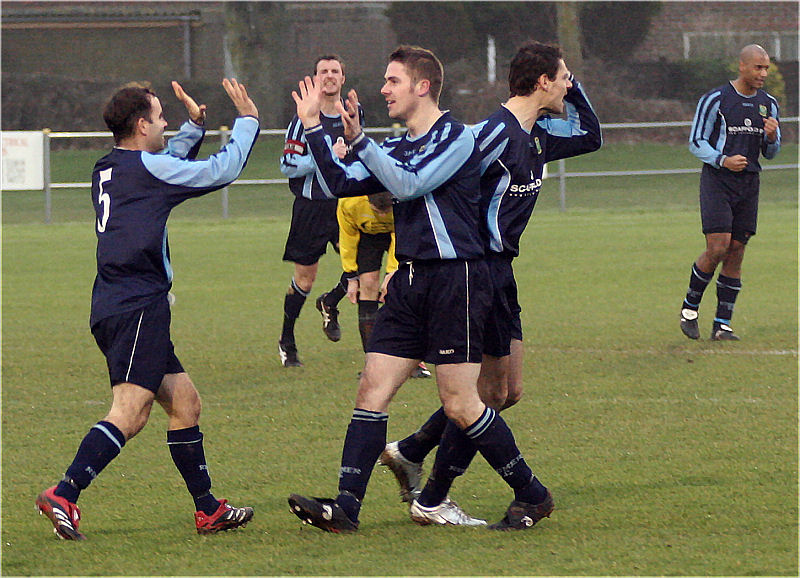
point(137, 345)
point(503, 323)
point(435, 311)
point(314, 225)
point(370, 251)
point(729, 202)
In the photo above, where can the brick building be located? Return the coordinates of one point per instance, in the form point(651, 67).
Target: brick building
point(687, 30)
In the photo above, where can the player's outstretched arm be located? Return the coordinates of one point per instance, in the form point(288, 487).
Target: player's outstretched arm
point(238, 95)
point(196, 113)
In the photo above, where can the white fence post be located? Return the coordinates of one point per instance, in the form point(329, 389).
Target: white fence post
point(48, 202)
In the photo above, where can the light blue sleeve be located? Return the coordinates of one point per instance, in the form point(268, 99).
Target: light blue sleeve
point(217, 170)
point(489, 149)
point(702, 127)
point(187, 137)
point(423, 173)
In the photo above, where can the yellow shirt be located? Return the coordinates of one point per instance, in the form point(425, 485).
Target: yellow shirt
point(356, 216)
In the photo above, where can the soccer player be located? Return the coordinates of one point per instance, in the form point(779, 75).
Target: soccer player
point(515, 143)
point(134, 188)
point(366, 232)
point(438, 300)
point(734, 123)
point(313, 213)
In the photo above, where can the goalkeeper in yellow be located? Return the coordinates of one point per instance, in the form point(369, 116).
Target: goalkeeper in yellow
point(366, 232)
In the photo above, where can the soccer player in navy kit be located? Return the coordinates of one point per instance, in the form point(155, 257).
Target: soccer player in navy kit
point(314, 223)
point(515, 143)
point(134, 188)
point(734, 123)
point(438, 300)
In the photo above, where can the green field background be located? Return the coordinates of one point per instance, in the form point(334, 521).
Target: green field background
point(665, 456)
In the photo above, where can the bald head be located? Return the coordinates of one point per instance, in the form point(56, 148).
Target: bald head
point(752, 52)
point(753, 69)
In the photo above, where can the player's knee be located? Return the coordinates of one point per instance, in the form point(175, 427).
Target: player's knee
point(716, 252)
point(494, 397)
point(513, 397)
point(129, 423)
point(735, 252)
point(190, 408)
point(462, 411)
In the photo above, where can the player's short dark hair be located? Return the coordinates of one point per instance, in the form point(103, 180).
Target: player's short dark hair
point(381, 201)
point(330, 56)
point(130, 103)
point(532, 60)
point(421, 64)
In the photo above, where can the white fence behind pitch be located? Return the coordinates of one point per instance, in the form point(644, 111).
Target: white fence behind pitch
point(562, 174)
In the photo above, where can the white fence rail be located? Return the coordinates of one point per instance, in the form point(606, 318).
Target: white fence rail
point(562, 174)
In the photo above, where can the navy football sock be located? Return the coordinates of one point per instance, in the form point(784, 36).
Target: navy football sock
point(455, 453)
point(100, 445)
point(292, 304)
point(697, 285)
point(337, 293)
point(419, 444)
point(363, 444)
point(496, 443)
point(727, 290)
point(186, 449)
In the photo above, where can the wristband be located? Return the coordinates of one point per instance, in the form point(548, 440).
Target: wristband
point(356, 141)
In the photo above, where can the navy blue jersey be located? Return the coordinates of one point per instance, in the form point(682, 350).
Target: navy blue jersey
point(728, 123)
point(512, 162)
point(434, 179)
point(133, 193)
point(299, 166)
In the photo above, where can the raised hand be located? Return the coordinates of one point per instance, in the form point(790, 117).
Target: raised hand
point(350, 120)
point(238, 95)
point(196, 113)
point(308, 99)
point(771, 128)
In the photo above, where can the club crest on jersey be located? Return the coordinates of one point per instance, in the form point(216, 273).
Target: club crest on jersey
point(762, 110)
point(538, 145)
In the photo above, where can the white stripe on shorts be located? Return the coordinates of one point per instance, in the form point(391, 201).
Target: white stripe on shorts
point(466, 279)
point(133, 351)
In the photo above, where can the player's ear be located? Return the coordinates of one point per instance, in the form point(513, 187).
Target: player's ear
point(423, 87)
point(544, 82)
point(141, 125)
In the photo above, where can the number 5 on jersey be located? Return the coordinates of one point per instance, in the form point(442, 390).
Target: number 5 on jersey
point(104, 199)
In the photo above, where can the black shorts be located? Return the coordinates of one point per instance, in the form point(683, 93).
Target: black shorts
point(729, 202)
point(435, 311)
point(314, 225)
point(137, 345)
point(503, 323)
point(370, 251)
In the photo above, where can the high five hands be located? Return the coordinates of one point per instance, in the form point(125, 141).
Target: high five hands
point(309, 102)
point(237, 93)
point(196, 113)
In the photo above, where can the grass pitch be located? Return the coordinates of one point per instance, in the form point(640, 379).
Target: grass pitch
point(665, 456)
